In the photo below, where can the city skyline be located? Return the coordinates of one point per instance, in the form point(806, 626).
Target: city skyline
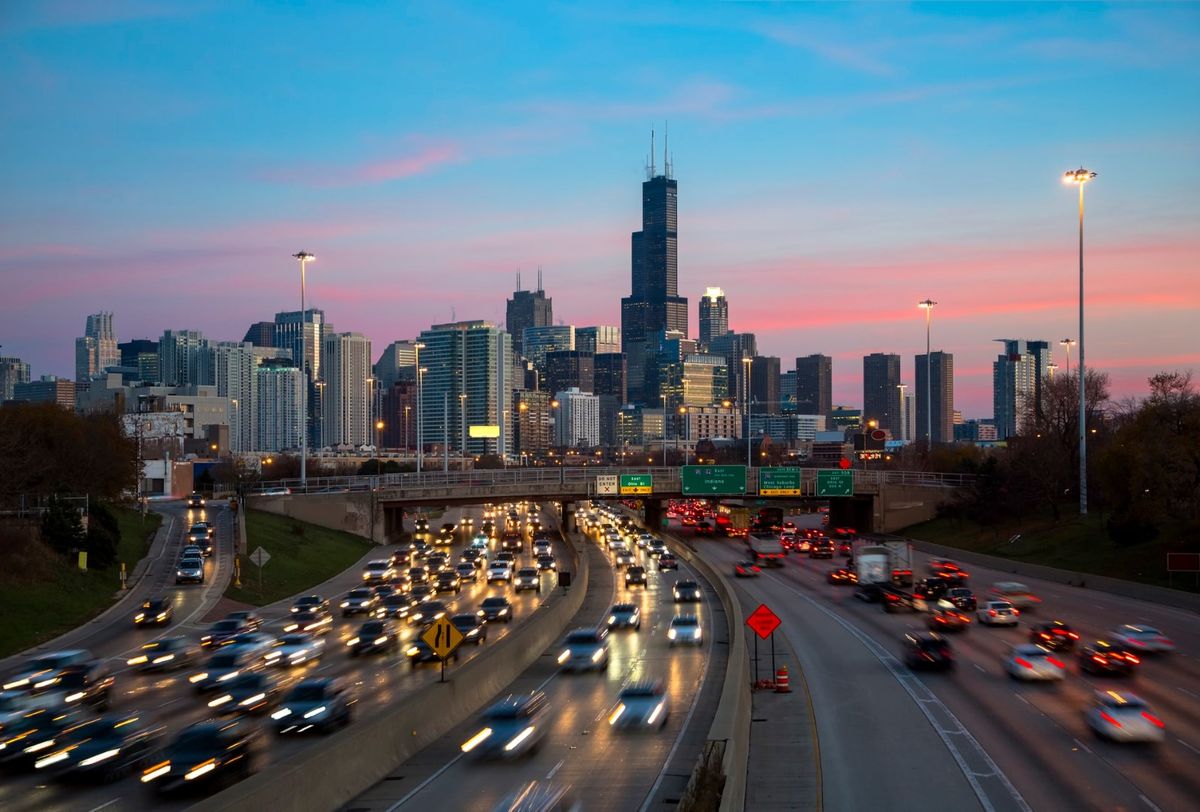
point(174, 199)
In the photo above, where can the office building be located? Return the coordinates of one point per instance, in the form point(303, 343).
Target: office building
point(346, 400)
point(577, 419)
point(261, 334)
point(570, 369)
point(814, 384)
point(664, 367)
point(12, 372)
point(908, 415)
point(549, 338)
point(639, 427)
point(764, 384)
point(1017, 376)
point(527, 308)
point(708, 422)
point(96, 350)
point(234, 369)
point(279, 388)
point(298, 333)
point(531, 423)
point(714, 316)
point(398, 413)
point(941, 376)
point(472, 359)
point(398, 361)
point(842, 418)
point(47, 389)
point(734, 348)
point(141, 354)
point(184, 359)
point(881, 392)
point(609, 369)
point(654, 304)
point(598, 340)
point(790, 430)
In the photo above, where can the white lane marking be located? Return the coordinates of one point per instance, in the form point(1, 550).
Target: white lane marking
point(104, 805)
point(1149, 803)
point(1189, 693)
point(554, 771)
point(1188, 746)
point(980, 667)
point(1082, 746)
point(1023, 699)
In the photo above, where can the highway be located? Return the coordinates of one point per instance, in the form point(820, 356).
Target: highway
point(1021, 745)
point(169, 699)
point(605, 769)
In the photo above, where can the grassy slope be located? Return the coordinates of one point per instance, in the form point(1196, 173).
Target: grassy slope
point(302, 556)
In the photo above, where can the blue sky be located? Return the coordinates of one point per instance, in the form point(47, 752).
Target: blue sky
point(837, 163)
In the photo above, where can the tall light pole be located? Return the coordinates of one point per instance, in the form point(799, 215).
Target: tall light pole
point(928, 305)
point(407, 436)
point(417, 361)
point(304, 258)
point(378, 428)
point(445, 432)
point(1068, 343)
point(1080, 177)
point(903, 409)
point(683, 411)
point(1051, 368)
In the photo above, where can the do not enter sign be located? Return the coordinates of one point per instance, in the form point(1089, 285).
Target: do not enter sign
point(763, 621)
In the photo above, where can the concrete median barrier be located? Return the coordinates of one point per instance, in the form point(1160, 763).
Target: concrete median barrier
point(327, 775)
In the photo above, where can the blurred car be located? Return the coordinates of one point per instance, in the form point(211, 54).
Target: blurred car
point(822, 548)
point(1015, 593)
point(191, 551)
point(635, 576)
point(417, 575)
point(437, 562)
point(510, 728)
point(382, 591)
point(102, 748)
point(421, 525)
point(945, 617)
point(360, 601)
point(623, 557)
point(379, 571)
point(294, 648)
point(997, 613)
point(189, 571)
point(399, 559)
point(641, 705)
point(511, 540)
point(1033, 662)
point(1054, 635)
point(165, 654)
point(499, 571)
point(418, 651)
point(309, 613)
point(527, 578)
point(842, 577)
point(472, 626)
point(496, 608)
point(927, 651)
point(81, 685)
point(624, 616)
point(421, 593)
point(42, 670)
point(543, 547)
point(666, 561)
point(685, 630)
point(205, 755)
point(1124, 717)
point(1109, 659)
point(373, 637)
point(26, 736)
point(546, 563)
point(448, 581)
point(657, 548)
point(1141, 638)
point(154, 611)
point(476, 558)
point(249, 618)
point(427, 612)
point(195, 500)
point(225, 664)
point(466, 571)
point(686, 591)
point(468, 520)
point(584, 650)
point(246, 693)
point(447, 528)
point(222, 632)
point(257, 642)
point(962, 598)
point(200, 534)
point(397, 605)
point(317, 703)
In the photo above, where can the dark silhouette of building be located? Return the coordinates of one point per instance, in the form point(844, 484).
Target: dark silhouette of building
point(527, 308)
point(610, 388)
point(141, 354)
point(764, 384)
point(398, 411)
point(570, 368)
point(261, 334)
point(733, 347)
point(814, 384)
point(941, 376)
point(881, 391)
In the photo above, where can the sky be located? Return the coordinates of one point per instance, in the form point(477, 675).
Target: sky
point(837, 163)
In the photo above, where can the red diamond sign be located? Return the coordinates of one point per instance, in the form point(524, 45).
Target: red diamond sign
point(763, 621)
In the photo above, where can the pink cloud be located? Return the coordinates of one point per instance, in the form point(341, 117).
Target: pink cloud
point(369, 172)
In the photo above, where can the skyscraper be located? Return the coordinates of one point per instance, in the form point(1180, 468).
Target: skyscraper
point(881, 393)
point(654, 303)
point(567, 369)
point(398, 361)
point(12, 372)
point(597, 340)
point(531, 422)
point(471, 358)
point(346, 400)
point(527, 308)
point(714, 316)
point(733, 347)
point(261, 334)
point(577, 419)
point(814, 384)
point(787, 390)
point(141, 354)
point(538, 341)
point(279, 388)
point(96, 350)
point(941, 376)
point(234, 365)
point(184, 359)
point(609, 386)
point(764, 384)
point(1017, 383)
point(288, 336)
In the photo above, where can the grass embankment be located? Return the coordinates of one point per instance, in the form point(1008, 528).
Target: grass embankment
point(42, 595)
point(302, 556)
point(1074, 542)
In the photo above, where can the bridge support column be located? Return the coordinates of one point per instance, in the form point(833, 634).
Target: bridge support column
point(654, 514)
point(568, 517)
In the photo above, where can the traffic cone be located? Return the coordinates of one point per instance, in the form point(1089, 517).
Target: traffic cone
point(781, 680)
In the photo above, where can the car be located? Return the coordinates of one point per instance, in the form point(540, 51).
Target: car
point(222, 632)
point(543, 547)
point(584, 650)
point(473, 627)
point(476, 558)
point(421, 525)
point(360, 601)
point(309, 613)
point(191, 551)
point(210, 754)
point(624, 616)
point(419, 651)
point(468, 521)
point(1143, 639)
point(427, 612)
point(962, 598)
point(467, 572)
point(373, 637)
point(511, 540)
point(257, 642)
point(102, 748)
point(488, 528)
point(382, 591)
point(223, 665)
point(165, 654)
point(1054, 635)
point(510, 728)
point(1108, 659)
point(294, 648)
point(437, 562)
point(448, 528)
point(496, 608)
point(378, 572)
point(507, 556)
point(417, 575)
point(250, 619)
point(927, 651)
point(27, 734)
point(527, 578)
point(204, 526)
point(947, 618)
point(200, 537)
point(686, 591)
point(1015, 593)
point(189, 571)
point(997, 613)
point(399, 559)
point(1124, 717)
point(195, 500)
point(154, 611)
point(479, 540)
point(251, 693)
point(635, 576)
point(88, 684)
point(1029, 661)
point(823, 548)
point(421, 593)
point(666, 561)
point(685, 630)
point(657, 548)
point(623, 558)
point(746, 569)
point(397, 605)
point(546, 563)
point(641, 705)
point(500, 571)
point(842, 576)
point(316, 703)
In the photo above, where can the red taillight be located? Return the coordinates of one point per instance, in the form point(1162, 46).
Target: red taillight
point(1057, 663)
point(1016, 611)
point(1021, 661)
point(1152, 719)
point(1104, 715)
point(992, 612)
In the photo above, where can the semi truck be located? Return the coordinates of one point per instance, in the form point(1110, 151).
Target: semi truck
point(766, 550)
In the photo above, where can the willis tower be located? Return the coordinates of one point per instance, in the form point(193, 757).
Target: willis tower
point(654, 305)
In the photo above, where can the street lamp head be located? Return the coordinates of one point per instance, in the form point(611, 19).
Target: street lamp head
point(872, 424)
point(303, 256)
point(554, 404)
point(522, 406)
point(1067, 342)
point(1079, 176)
point(927, 304)
point(379, 425)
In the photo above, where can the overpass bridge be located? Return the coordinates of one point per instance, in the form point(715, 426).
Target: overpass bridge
point(374, 506)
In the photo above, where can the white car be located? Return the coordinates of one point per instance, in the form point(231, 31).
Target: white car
point(1124, 717)
point(1015, 593)
point(528, 578)
point(657, 548)
point(644, 539)
point(1032, 662)
point(685, 631)
point(1143, 638)
point(294, 649)
point(641, 706)
point(997, 613)
point(500, 571)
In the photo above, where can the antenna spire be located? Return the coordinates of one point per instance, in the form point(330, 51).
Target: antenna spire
point(650, 168)
point(539, 279)
point(518, 278)
point(666, 158)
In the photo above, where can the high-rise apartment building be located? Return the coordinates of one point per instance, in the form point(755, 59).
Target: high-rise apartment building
point(304, 334)
point(1017, 376)
point(12, 372)
point(908, 414)
point(346, 396)
point(814, 384)
point(538, 341)
point(714, 316)
point(734, 348)
point(570, 369)
point(470, 358)
point(234, 370)
point(398, 361)
point(764, 384)
point(96, 350)
point(184, 358)
point(577, 419)
point(940, 376)
point(279, 389)
point(531, 423)
point(787, 391)
point(527, 308)
point(598, 340)
point(881, 393)
point(261, 334)
point(654, 303)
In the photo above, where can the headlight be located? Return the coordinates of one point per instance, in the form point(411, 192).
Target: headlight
point(413, 651)
point(655, 713)
point(295, 608)
point(516, 740)
point(315, 712)
point(379, 641)
point(200, 769)
point(503, 612)
point(162, 616)
point(562, 658)
point(166, 658)
point(194, 678)
point(612, 619)
point(345, 604)
point(353, 641)
point(253, 699)
point(597, 655)
point(220, 700)
point(671, 633)
point(281, 713)
point(54, 758)
point(136, 660)
point(227, 677)
point(157, 771)
point(616, 714)
point(139, 617)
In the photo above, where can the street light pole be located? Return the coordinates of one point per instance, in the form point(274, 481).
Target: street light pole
point(1080, 177)
point(304, 258)
point(1067, 344)
point(420, 392)
point(928, 305)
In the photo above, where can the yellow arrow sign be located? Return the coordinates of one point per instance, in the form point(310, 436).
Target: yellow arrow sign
point(443, 637)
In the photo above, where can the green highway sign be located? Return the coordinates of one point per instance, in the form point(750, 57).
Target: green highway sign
point(778, 481)
point(636, 483)
point(710, 480)
point(835, 482)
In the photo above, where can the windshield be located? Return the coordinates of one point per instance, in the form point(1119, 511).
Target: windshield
point(495, 603)
point(224, 659)
point(372, 627)
point(685, 621)
point(226, 626)
point(581, 637)
point(307, 692)
point(195, 745)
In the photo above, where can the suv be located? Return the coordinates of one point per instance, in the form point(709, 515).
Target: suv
point(527, 578)
point(635, 576)
point(189, 571)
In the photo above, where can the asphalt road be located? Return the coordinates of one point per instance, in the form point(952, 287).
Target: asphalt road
point(1043, 755)
point(168, 699)
point(605, 769)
